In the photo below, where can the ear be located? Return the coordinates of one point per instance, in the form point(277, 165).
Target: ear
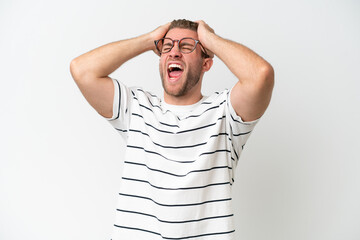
point(207, 63)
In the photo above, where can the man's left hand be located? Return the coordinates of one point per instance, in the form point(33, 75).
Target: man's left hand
point(205, 33)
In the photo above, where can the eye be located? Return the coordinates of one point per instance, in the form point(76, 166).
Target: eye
point(187, 47)
point(166, 47)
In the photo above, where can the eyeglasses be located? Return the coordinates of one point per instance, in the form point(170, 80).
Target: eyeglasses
point(186, 45)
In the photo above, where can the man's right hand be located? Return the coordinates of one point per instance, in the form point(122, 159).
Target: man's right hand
point(91, 70)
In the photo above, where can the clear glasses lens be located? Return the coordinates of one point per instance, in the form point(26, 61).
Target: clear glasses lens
point(186, 45)
point(166, 45)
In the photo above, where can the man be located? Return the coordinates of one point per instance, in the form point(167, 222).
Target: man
point(181, 151)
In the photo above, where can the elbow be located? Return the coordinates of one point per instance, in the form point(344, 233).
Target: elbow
point(267, 76)
point(78, 71)
point(75, 69)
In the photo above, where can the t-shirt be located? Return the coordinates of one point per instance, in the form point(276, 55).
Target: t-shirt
point(178, 167)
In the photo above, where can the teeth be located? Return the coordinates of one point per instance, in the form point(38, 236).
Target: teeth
point(174, 65)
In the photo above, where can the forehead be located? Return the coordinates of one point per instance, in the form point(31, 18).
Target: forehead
point(178, 33)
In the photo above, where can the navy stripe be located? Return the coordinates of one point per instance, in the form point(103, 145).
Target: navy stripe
point(233, 148)
point(164, 221)
point(164, 146)
point(157, 106)
point(121, 130)
point(216, 135)
point(179, 161)
point(147, 124)
point(141, 90)
point(154, 96)
point(206, 103)
point(179, 147)
point(138, 131)
point(195, 236)
point(175, 205)
point(236, 155)
point(194, 129)
point(141, 105)
point(237, 134)
point(184, 131)
point(174, 147)
point(177, 175)
point(240, 134)
point(176, 189)
point(169, 125)
point(152, 152)
point(205, 111)
point(219, 150)
point(188, 130)
point(118, 113)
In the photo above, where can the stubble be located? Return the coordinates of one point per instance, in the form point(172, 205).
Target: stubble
point(191, 79)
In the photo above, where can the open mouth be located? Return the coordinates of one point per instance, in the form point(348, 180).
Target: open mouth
point(174, 71)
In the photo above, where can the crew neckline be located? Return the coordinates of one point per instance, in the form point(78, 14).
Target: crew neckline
point(182, 108)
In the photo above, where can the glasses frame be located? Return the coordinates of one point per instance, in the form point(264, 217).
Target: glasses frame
point(178, 41)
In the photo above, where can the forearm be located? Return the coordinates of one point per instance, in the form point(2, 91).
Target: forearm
point(244, 63)
point(104, 60)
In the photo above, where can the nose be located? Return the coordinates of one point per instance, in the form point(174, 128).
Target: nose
point(175, 51)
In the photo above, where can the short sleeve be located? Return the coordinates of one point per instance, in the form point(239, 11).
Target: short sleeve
point(121, 116)
point(239, 130)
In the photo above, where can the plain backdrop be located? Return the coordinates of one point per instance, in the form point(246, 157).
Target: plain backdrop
point(60, 162)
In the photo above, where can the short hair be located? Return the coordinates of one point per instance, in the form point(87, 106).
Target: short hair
point(183, 23)
point(186, 24)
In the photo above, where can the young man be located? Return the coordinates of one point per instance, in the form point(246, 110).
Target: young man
point(181, 151)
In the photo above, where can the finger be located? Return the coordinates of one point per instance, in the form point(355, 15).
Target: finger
point(166, 26)
point(165, 29)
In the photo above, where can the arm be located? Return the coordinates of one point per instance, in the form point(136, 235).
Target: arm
point(90, 70)
point(252, 93)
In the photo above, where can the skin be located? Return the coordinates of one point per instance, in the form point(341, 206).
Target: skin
point(252, 93)
point(187, 89)
point(249, 97)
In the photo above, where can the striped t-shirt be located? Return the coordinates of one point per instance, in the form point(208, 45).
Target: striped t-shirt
point(179, 166)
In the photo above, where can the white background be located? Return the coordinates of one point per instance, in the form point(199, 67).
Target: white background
point(60, 162)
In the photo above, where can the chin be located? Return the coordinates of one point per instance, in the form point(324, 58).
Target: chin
point(175, 92)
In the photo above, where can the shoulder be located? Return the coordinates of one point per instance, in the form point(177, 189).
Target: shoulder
point(144, 98)
point(218, 98)
point(139, 91)
point(222, 100)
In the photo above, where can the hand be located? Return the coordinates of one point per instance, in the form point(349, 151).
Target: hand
point(205, 32)
point(159, 33)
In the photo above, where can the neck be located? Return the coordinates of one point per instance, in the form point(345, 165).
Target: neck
point(182, 100)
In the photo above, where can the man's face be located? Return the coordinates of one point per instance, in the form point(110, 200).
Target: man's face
point(188, 66)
